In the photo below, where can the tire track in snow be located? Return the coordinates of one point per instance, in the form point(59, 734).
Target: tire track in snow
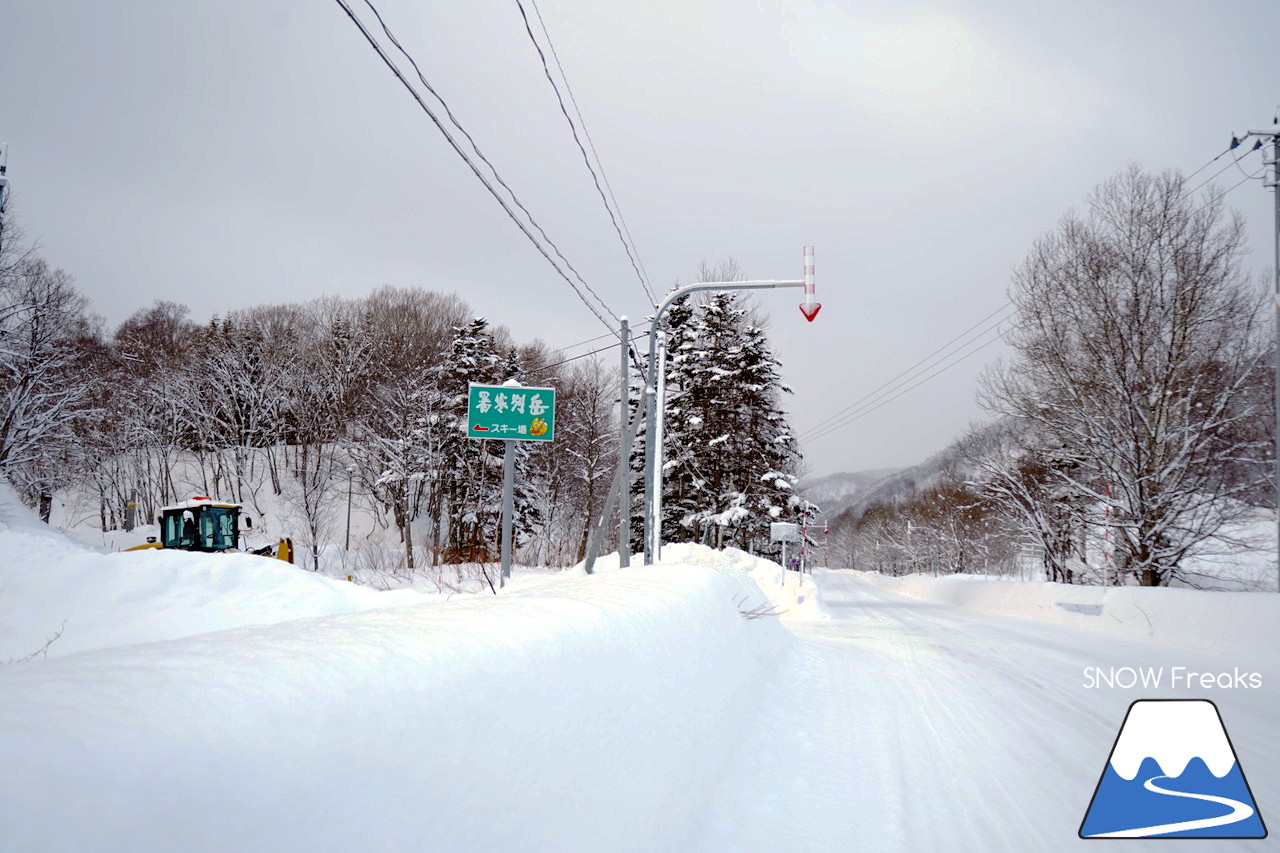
point(905, 725)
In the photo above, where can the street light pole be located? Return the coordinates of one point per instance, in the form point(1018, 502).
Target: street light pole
point(1274, 186)
point(659, 407)
point(656, 379)
point(624, 449)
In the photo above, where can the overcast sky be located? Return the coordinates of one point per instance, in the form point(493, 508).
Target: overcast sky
point(230, 153)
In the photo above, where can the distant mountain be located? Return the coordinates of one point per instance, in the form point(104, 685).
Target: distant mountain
point(834, 492)
point(903, 484)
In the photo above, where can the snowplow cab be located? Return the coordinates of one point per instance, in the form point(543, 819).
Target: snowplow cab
point(203, 524)
point(200, 524)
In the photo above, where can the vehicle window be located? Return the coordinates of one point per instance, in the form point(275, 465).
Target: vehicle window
point(172, 535)
point(219, 529)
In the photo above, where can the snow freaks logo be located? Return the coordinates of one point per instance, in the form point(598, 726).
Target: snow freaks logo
point(1173, 773)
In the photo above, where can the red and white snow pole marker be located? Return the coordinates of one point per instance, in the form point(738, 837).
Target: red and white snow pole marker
point(810, 307)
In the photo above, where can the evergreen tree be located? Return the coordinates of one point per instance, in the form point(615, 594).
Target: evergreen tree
point(471, 469)
point(730, 457)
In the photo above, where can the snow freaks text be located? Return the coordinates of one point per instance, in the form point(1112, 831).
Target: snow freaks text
point(1172, 677)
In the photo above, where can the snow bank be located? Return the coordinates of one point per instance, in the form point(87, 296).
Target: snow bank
point(1220, 622)
point(587, 713)
point(49, 583)
point(793, 596)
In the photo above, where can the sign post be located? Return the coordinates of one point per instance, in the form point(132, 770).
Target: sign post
point(784, 532)
point(510, 412)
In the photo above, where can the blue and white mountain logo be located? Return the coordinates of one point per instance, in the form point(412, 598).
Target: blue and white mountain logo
point(1173, 773)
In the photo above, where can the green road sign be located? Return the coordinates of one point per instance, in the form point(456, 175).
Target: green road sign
point(511, 412)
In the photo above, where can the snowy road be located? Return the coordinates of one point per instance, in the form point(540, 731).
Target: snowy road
point(909, 725)
point(626, 711)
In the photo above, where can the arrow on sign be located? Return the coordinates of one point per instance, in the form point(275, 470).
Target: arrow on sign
point(478, 428)
point(810, 310)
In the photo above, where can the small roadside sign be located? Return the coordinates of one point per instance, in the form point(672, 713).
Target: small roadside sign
point(784, 531)
point(511, 412)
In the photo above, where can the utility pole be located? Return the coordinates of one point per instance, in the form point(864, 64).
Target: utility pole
point(351, 471)
point(656, 379)
point(658, 436)
point(4, 187)
point(1274, 185)
point(624, 449)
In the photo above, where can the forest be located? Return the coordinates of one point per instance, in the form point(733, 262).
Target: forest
point(300, 411)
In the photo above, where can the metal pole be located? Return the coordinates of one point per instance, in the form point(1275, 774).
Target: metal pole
point(4, 185)
point(1275, 191)
point(347, 547)
point(623, 472)
point(650, 412)
point(508, 505)
point(624, 450)
point(1274, 133)
point(659, 421)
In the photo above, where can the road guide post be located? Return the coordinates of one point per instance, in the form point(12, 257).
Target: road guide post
point(784, 532)
point(509, 413)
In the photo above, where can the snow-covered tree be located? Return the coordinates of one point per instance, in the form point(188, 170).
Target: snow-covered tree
point(397, 450)
point(46, 337)
point(731, 460)
point(573, 475)
point(1137, 339)
point(470, 491)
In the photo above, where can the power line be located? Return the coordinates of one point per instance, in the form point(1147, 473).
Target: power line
point(590, 340)
point(1246, 179)
point(613, 334)
point(1255, 147)
point(648, 286)
point(837, 427)
point(818, 426)
point(1209, 179)
point(453, 119)
point(474, 147)
point(547, 367)
point(1226, 150)
point(574, 130)
point(871, 402)
point(858, 408)
point(466, 159)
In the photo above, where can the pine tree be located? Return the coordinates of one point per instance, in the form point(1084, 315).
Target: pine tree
point(730, 456)
point(471, 469)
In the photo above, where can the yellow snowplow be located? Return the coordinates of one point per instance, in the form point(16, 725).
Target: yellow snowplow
point(203, 524)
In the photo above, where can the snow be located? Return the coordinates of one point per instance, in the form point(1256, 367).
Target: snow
point(1172, 733)
point(576, 713)
point(48, 583)
point(1221, 622)
point(791, 596)
point(228, 702)
point(794, 596)
point(904, 724)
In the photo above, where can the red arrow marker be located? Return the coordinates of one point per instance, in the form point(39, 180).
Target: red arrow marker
point(810, 310)
point(478, 428)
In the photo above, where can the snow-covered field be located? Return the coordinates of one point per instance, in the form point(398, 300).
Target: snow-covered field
point(214, 702)
point(905, 724)
point(571, 713)
point(1218, 622)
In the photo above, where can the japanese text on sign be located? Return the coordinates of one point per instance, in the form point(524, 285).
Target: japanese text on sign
point(511, 412)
